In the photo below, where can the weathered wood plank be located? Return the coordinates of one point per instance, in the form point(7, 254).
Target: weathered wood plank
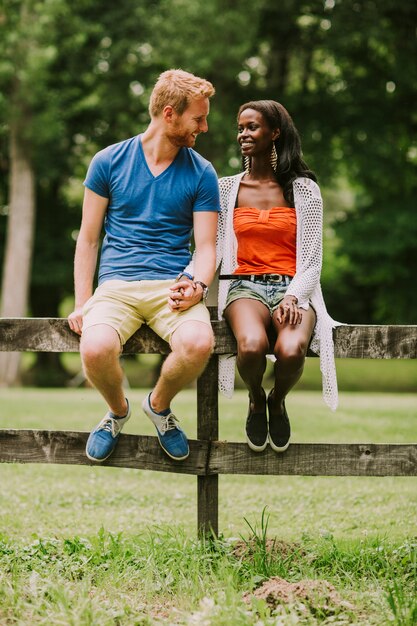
point(221, 457)
point(66, 447)
point(43, 334)
point(40, 334)
point(316, 459)
point(351, 341)
point(376, 342)
point(208, 430)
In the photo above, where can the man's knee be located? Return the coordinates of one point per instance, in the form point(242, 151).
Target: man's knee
point(194, 340)
point(99, 343)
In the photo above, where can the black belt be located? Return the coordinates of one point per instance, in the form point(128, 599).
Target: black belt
point(265, 278)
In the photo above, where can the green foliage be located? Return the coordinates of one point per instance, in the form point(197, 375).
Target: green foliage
point(343, 69)
point(402, 600)
point(372, 44)
point(77, 76)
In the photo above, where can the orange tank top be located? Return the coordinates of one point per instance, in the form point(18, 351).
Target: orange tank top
point(266, 240)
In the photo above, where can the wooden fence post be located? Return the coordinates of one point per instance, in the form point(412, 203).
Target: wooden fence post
point(208, 429)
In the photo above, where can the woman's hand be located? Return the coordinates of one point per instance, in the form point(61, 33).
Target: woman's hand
point(288, 311)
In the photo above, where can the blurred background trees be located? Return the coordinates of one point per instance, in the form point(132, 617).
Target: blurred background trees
point(76, 76)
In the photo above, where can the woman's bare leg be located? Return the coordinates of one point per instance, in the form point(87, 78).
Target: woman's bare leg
point(290, 351)
point(249, 320)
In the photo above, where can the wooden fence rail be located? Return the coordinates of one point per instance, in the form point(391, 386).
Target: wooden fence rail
point(209, 457)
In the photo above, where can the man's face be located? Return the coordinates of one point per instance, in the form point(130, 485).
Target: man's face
point(184, 128)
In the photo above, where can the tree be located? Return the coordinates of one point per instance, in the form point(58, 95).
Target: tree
point(87, 83)
point(76, 76)
point(18, 252)
point(373, 45)
point(41, 103)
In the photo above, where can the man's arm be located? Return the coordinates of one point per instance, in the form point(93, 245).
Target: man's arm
point(188, 293)
point(85, 261)
point(205, 230)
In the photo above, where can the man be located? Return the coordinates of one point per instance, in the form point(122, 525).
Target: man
point(150, 192)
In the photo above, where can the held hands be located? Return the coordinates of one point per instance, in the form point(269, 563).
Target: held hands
point(288, 311)
point(184, 294)
point(75, 320)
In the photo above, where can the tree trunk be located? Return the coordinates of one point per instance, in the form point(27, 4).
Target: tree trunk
point(48, 369)
point(19, 246)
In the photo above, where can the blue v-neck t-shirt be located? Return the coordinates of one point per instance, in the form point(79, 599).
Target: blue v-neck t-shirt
point(149, 219)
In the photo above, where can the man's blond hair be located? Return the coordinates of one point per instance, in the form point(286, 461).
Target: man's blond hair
point(177, 88)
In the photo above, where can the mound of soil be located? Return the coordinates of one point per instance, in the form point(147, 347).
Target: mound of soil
point(283, 549)
point(318, 596)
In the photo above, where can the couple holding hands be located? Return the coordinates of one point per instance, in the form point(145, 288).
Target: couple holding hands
point(261, 228)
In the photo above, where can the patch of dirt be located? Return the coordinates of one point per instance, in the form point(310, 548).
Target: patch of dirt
point(282, 549)
point(318, 596)
point(159, 611)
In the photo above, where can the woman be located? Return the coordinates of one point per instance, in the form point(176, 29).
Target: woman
point(270, 253)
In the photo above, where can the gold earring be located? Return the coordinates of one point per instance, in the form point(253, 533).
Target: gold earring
point(274, 157)
point(246, 164)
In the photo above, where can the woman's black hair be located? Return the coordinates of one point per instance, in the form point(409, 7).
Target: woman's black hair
point(288, 145)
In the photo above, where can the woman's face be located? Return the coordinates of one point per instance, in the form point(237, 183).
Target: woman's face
point(254, 134)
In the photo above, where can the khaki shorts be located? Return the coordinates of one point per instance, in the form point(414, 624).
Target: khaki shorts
point(126, 305)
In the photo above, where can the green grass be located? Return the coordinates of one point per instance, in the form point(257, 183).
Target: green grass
point(378, 375)
point(106, 546)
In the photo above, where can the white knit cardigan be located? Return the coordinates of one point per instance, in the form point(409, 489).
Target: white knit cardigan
point(305, 285)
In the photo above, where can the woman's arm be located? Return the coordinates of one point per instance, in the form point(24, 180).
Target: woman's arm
point(309, 205)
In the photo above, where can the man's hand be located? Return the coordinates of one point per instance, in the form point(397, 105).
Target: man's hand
point(184, 294)
point(75, 320)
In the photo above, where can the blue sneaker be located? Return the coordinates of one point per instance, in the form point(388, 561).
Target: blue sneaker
point(171, 438)
point(103, 439)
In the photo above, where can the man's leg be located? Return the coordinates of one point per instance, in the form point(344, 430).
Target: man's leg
point(192, 344)
point(100, 352)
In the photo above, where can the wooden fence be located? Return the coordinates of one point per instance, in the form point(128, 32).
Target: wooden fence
point(209, 457)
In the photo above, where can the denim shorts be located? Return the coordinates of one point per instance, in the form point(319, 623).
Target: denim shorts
point(270, 293)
